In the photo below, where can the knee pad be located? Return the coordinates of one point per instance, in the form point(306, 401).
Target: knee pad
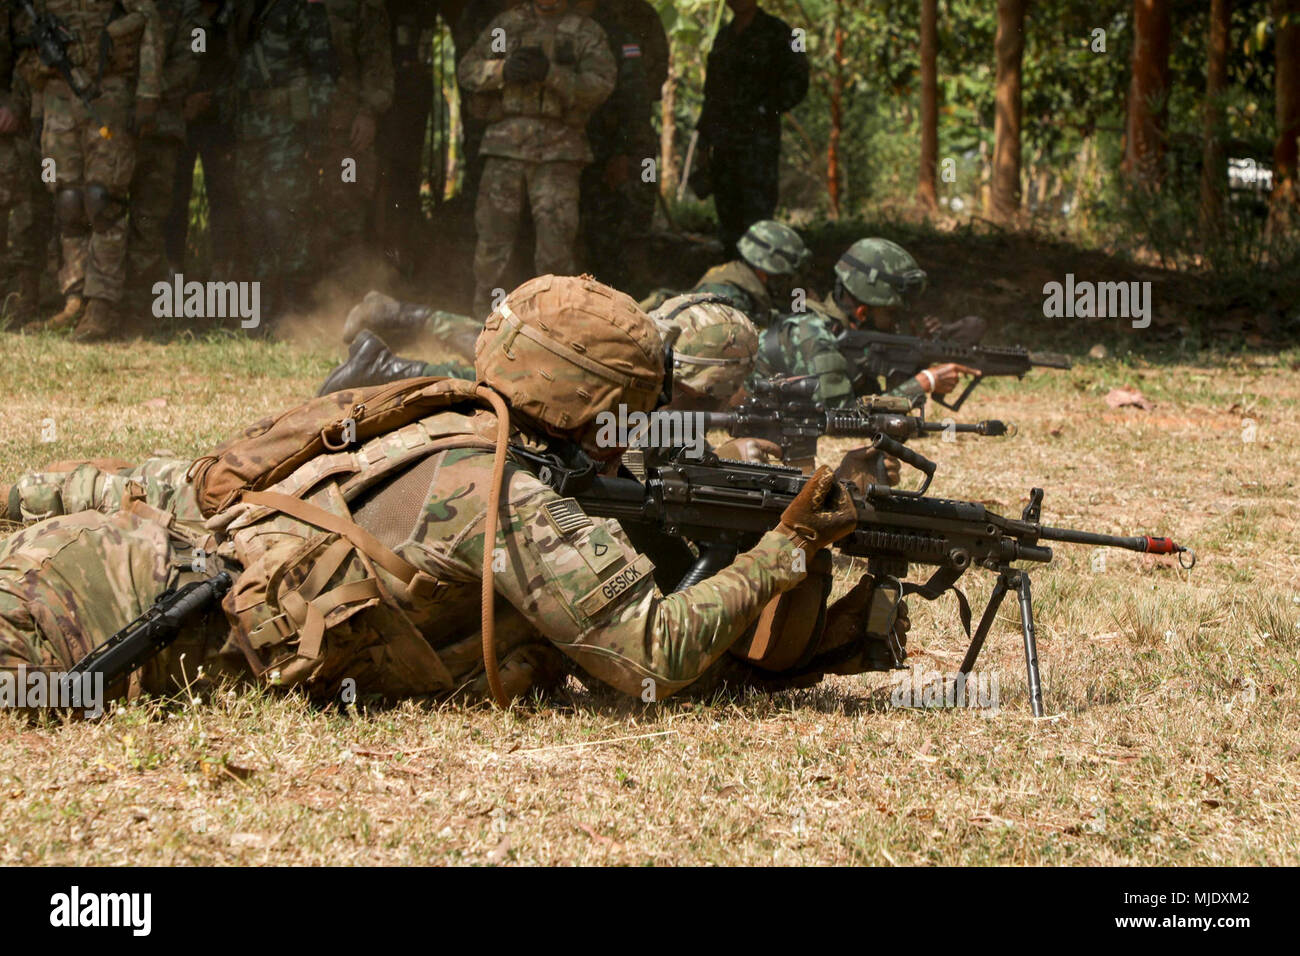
point(70, 209)
point(103, 209)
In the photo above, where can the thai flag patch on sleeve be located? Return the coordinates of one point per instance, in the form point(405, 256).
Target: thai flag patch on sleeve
point(630, 50)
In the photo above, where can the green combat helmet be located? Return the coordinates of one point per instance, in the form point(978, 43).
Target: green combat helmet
point(715, 345)
point(879, 272)
point(773, 247)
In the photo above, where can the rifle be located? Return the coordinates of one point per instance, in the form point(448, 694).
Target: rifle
point(153, 630)
point(724, 507)
point(50, 37)
point(782, 411)
point(895, 358)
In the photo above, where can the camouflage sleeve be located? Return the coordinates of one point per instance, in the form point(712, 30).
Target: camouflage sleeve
point(376, 54)
point(910, 390)
point(481, 70)
point(89, 487)
point(316, 41)
point(153, 49)
point(583, 586)
point(590, 79)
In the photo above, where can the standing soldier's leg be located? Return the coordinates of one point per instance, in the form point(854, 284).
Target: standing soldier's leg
point(553, 192)
point(151, 201)
point(496, 217)
point(217, 152)
point(29, 228)
point(61, 145)
point(110, 164)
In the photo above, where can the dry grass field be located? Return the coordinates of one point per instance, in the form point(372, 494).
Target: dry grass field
point(1173, 727)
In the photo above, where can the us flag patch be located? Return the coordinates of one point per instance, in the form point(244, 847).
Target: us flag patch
point(630, 50)
point(567, 518)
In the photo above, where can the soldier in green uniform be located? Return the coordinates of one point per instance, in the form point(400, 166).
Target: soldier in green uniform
point(872, 279)
point(363, 94)
point(755, 73)
point(368, 565)
point(546, 69)
point(160, 146)
point(760, 282)
point(285, 77)
point(117, 54)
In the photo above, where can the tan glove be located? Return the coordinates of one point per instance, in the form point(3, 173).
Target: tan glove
point(750, 449)
point(859, 466)
point(821, 514)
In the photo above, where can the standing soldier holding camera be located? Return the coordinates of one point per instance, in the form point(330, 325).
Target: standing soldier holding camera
point(97, 102)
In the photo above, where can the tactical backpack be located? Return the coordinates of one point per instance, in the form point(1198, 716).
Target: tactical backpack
point(278, 496)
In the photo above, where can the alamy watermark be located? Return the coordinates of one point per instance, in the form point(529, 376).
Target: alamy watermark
point(662, 428)
point(1098, 300)
point(977, 690)
point(22, 688)
point(179, 299)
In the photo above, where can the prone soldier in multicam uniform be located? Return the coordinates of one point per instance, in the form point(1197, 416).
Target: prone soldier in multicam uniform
point(366, 564)
point(117, 54)
point(872, 279)
point(546, 70)
point(759, 283)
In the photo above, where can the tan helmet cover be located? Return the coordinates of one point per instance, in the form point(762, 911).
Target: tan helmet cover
point(716, 344)
point(562, 349)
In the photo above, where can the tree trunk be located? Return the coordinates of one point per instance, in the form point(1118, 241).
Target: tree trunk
point(1214, 170)
point(837, 118)
point(1286, 16)
point(927, 184)
point(668, 175)
point(1148, 93)
point(1009, 47)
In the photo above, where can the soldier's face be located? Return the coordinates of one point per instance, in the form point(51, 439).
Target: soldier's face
point(882, 318)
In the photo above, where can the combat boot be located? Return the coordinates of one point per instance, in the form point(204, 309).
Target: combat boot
point(98, 322)
point(371, 362)
point(66, 319)
point(382, 313)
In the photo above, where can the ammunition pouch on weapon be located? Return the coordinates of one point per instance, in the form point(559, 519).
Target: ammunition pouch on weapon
point(790, 628)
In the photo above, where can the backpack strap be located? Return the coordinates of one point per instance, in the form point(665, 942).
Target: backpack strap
point(361, 539)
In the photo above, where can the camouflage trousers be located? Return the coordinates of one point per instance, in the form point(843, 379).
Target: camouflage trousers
point(279, 198)
point(349, 178)
point(70, 583)
point(94, 240)
point(552, 193)
point(152, 190)
point(98, 486)
point(23, 205)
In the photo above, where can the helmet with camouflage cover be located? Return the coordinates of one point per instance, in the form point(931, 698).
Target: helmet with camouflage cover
point(773, 247)
point(879, 272)
point(562, 349)
point(715, 347)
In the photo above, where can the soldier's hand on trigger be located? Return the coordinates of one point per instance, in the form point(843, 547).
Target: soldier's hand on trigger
point(942, 379)
point(363, 131)
point(526, 65)
point(821, 514)
point(932, 326)
point(758, 450)
point(146, 116)
point(862, 467)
